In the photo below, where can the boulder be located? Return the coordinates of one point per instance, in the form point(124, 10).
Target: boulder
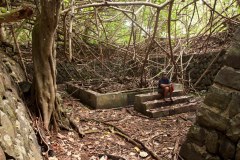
point(197, 135)
point(213, 158)
point(226, 149)
point(210, 118)
point(218, 98)
point(234, 105)
point(17, 137)
point(234, 131)
point(212, 141)
point(237, 156)
point(192, 151)
point(233, 56)
point(229, 77)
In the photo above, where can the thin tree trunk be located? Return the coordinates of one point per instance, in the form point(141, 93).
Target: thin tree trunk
point(70, 31)
point(149, 49)
point(19, 52)
point(65, 32)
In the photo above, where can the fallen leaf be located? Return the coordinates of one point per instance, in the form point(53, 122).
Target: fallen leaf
point(103, 157)
point(60, 136)
point(137, 149)
point(143, 154)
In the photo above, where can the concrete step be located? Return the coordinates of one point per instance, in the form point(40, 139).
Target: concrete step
point(140, 98)
point(161, 103)
point(172, 109)
point(142, 107)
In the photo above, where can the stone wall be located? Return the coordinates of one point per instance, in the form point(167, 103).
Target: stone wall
point(212, 62)
point(199, 63)
point(216, 133)
point(17, 138)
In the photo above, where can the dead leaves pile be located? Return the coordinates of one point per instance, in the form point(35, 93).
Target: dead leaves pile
point(101, 141)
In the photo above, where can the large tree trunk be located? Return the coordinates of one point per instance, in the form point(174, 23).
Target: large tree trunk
point(44, 59)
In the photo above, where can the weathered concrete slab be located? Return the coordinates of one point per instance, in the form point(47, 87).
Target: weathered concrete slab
point(108, 100)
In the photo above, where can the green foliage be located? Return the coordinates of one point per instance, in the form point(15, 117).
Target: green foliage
point(188, 19)
point(3, 10)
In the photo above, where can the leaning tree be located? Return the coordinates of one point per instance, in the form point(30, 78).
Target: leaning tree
point(44, 60)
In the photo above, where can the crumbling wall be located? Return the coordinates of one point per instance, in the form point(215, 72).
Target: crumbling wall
point(17, 138)
point(209, 62)
point(216, 133)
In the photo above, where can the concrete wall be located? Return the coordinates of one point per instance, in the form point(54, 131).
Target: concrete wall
point(108, 100)
point(216, 133)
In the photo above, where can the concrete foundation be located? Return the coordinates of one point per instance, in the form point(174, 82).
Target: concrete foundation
point(108, 100)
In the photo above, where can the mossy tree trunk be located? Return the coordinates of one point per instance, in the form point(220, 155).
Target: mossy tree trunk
point(44, 60)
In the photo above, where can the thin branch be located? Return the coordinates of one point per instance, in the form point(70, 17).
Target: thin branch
point(107, 4)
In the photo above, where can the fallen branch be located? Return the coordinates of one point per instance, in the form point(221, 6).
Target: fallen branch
point(16, 15)
point(76, 128)
point(175, 150)
point(121, 133)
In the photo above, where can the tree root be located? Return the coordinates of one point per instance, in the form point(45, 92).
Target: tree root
point(76, 128)
point(42, 140)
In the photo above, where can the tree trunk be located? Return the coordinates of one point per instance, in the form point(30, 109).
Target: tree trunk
point(44, 59)
point(70, 30)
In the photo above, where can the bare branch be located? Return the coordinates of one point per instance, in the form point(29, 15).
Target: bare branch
point(107, 4)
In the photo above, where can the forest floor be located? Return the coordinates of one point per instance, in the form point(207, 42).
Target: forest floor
point(111, 132)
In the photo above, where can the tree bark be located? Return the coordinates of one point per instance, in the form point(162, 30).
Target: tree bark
point(44, 59)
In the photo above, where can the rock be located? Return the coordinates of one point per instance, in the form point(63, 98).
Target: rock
point(191, 151)
point(52, 158)
point(196, 134)
point(7, 126)
point(211, 119)
point(213, 158)
point(2, 89)
point(2, 154)
point(226, 149)
point(218, 98)
point(143, 154)
point(234, 131)
point(212, 142)
point(234, 105)
point(17, 138)
point(233, 56)
point(228, 77)
point(237, 156)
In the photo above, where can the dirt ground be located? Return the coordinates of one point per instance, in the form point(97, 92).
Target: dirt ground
point(116, 133)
